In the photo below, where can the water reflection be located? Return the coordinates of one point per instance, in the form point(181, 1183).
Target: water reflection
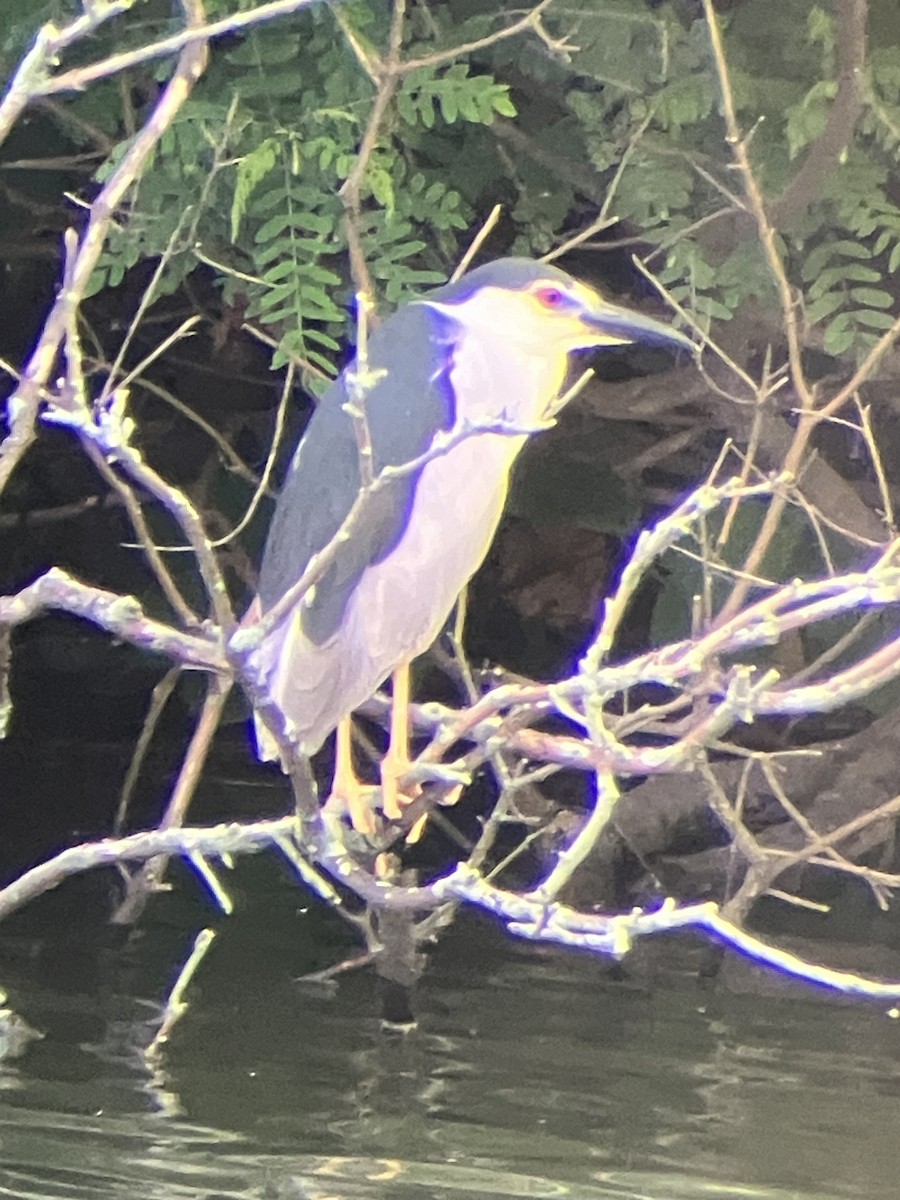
point(532, 1074)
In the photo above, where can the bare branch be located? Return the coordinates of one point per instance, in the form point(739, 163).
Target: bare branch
point(120, 615)
point(149, 879)
point(22, 405)
point(33, 78)
point(387, 73)
point(524, 916)
point(824, 154)
point(531, 20)
point(48, 46)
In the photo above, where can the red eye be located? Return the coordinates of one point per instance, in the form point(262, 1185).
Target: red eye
point(551, 297)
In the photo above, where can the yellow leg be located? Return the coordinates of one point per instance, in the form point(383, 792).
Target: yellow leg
point(396, 762)
point(356, 796)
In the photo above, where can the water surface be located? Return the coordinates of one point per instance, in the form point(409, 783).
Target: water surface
point(533, 1072)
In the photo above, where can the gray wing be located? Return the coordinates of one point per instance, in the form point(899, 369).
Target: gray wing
point(404, 410)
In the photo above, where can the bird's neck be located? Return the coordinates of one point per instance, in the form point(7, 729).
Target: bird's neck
point(500, 380)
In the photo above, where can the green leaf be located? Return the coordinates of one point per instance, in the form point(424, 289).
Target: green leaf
point(874, 319)
point(425, 110)
point(504, 105)
point(882, 242)
point(277, 294)
point(381, 185)
point(406, 107)
point(316, 335)
point(284, 267)
point(872, 297)
point(806, 121)
point(845, 273)
point(816, 260)
point(825, 306)
point(820, 26)
point(447, 98)
point(839, 336)
point(264, 46)
point(271, 228)
point(252, 170)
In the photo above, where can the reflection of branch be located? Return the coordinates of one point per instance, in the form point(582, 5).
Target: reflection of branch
point(176, 1006)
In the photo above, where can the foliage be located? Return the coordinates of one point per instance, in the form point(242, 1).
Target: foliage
point(250, 176)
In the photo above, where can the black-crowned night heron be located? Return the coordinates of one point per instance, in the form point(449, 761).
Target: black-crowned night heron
point(484, 358)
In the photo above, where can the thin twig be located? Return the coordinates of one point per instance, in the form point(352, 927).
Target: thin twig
point(477, 242)
point(176, 1006)
point(530, 21)
point(388, 79)
point(49, 45)
point(603, 219)
point(262, 488)
point(149, 879)
point(186, 615)
point(22, 406)
point(158, 701)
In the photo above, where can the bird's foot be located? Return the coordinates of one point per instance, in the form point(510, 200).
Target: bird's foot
point(395, 798)
point(357, 800)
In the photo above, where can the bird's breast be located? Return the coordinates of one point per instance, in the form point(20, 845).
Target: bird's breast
point(404, 599)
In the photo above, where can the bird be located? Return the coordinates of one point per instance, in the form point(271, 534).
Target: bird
point(479, 362)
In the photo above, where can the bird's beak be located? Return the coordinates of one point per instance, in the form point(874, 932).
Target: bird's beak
point(615, 326)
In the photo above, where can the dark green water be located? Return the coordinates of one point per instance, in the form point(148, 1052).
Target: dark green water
point(531, 1073)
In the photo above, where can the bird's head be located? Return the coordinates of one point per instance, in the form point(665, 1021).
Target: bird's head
point(543, 310)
